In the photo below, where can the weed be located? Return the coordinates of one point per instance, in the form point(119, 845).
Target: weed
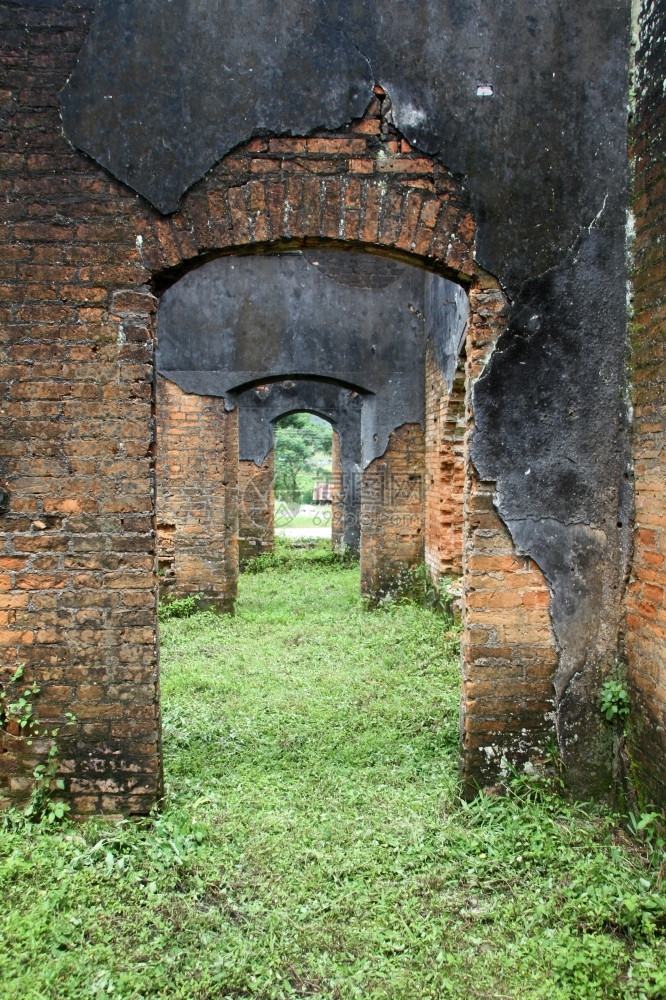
point(17, 707)
point(178, 607)
point(415, 585)
point(42, 807)
point(615, 701)
point(19, 720)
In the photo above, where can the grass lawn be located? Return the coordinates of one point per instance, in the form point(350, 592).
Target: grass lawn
point(312, 843)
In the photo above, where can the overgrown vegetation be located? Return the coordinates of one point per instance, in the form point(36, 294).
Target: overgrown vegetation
point(178, 607)
point(312, 843)
point(415, 584)
point(304, 554)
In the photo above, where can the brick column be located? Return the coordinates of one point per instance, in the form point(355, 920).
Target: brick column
point(392, 512)
point(509, 657)
point(256, 509)
point(197, 496)
point(444, 469)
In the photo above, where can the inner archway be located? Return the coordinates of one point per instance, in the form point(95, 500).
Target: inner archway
point(304, 486)
point(341, 334)
point(259, 410)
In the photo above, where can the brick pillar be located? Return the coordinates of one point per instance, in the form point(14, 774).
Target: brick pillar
point(509, 656)
point(337, 506)
point(392, 512)
point(646, 599)
point(197, 496)
point(444, 469)
point(256, 509)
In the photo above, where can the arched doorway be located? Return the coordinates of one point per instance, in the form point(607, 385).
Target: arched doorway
point(352, 333)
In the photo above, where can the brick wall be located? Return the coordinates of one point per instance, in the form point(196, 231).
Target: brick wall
point(646, 605)
point(256, 508)
point(77, 580)
point(82, 257)
point(445, 423)
point(392, 494)
point(509, 657)
point(197, 496)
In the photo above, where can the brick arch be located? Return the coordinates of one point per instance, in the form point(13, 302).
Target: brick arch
point(359, 189)
point(362, 191)
point(81, 390)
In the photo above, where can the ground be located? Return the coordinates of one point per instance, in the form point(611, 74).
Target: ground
point(312, 842)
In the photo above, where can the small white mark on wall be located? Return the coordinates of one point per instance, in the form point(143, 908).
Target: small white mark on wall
point(411, 115)
point(484, 90)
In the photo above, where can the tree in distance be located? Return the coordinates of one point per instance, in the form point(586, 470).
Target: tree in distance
point(302, 456)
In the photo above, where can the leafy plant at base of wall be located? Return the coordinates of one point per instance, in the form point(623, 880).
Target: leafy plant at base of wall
point(615, 701)
point(553, 759)
point(16, 709)
point(178, 607)
point(17, 712)
point(647, 826)
point(615, 706)
point(41, 805)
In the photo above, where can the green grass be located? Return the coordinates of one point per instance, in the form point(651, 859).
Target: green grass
point(312, 843)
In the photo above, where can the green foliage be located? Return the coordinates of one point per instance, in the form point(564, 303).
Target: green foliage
point(178, 607)
point(302, 455)
point(615, 701)
point(650, 828)
point(312, 842)
point(42, 806)
point(17, 706)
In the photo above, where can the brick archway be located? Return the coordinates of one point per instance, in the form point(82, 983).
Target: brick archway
point(363, 189)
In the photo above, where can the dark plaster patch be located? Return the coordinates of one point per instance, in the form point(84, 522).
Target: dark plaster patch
point(549, 415)
point(53, 4)
point(163, 90)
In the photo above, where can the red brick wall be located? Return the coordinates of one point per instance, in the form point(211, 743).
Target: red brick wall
point(256, 508)
point(78, 574)
point(444, 468)
point(392, 494)
point(81, 258)
point(646, 604)
point(197, 496)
